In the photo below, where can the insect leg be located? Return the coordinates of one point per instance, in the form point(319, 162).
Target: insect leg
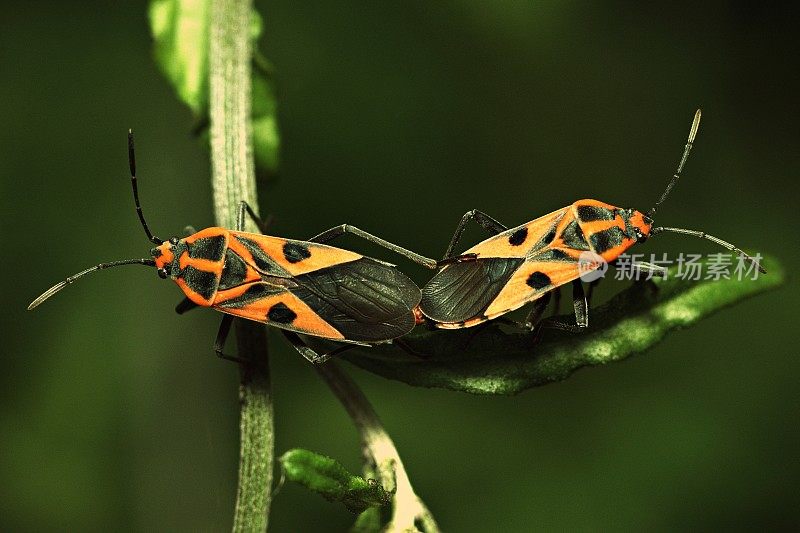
point(580, 304)
point(185, 305)
point(222, 336)
point(245, 207)
point(403, 345)
point(538, 307)
point(488, 223)
point(592, 285)
point(534, 316)
point(310, 355)
point(338, 231)
point(476, 330)
point(556, 300)
point(581, 309)
point(563, 326)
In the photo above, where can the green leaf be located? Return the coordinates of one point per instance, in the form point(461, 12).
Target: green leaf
point(501, 359)
point(330, 479)
point(180, 31)
point(181, 40)
point(368, 521)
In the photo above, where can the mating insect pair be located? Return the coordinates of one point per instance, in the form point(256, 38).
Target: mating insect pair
point(310, 288)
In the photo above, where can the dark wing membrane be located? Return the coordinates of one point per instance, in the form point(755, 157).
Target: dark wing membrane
point(364, 299)
point(462, 291)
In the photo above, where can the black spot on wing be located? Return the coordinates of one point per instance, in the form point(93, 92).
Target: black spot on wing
point(365, 300)
point(294, 252)
point(607, 239)
point(263, 262)
point(590, 213)
point(548, 237)
point(202, 282)
point(233, 272)
point(518, 237)
point(281, 314)
point(538, 280)
point(573, 237)
point(462, 291)
point(211, 248)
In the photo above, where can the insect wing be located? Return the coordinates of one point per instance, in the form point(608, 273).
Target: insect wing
point(366, 300)
point(316, 289)
point(552, 261)
point(522, 240)
point(461, 291)
point(542, 273)
point(286, 257)
point(274, 305)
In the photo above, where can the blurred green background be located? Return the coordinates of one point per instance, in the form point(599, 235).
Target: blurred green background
point(398, 118)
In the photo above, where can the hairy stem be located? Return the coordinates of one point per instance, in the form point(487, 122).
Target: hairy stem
point(233, 180)
point(409, 511)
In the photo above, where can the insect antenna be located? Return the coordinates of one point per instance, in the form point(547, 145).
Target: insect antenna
point(717, 240)
point(132, 164)
point(684, 157)
point(58, 286)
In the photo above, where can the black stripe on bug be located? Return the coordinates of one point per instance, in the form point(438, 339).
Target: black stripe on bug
point(263, 261)
point(573, 237)
point(210, 248)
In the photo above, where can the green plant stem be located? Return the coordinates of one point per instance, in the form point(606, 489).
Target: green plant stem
point(233, 179)
point(378, 448)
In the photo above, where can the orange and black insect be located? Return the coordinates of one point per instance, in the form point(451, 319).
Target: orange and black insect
point(528, 263)
point(302, 287)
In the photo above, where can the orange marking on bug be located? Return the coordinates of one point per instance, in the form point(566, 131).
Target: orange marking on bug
point(613, 253)
point(638, 221)
point(224, 295)
point(209, 232)
point(419, 316)
point(517, 292)
point(591, 202)
point(499, 245)
point(166, 255)
point(307, 256)
point(215, 267)
point(596, 226)
point(192, 295)
point(593, 227)
point(305, 321)
point(458, 325)
point(239, 249)
point(321, 256)
point(252, 274)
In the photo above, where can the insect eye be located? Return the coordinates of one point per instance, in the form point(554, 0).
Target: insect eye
point(173, 241)
point(162, 273)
